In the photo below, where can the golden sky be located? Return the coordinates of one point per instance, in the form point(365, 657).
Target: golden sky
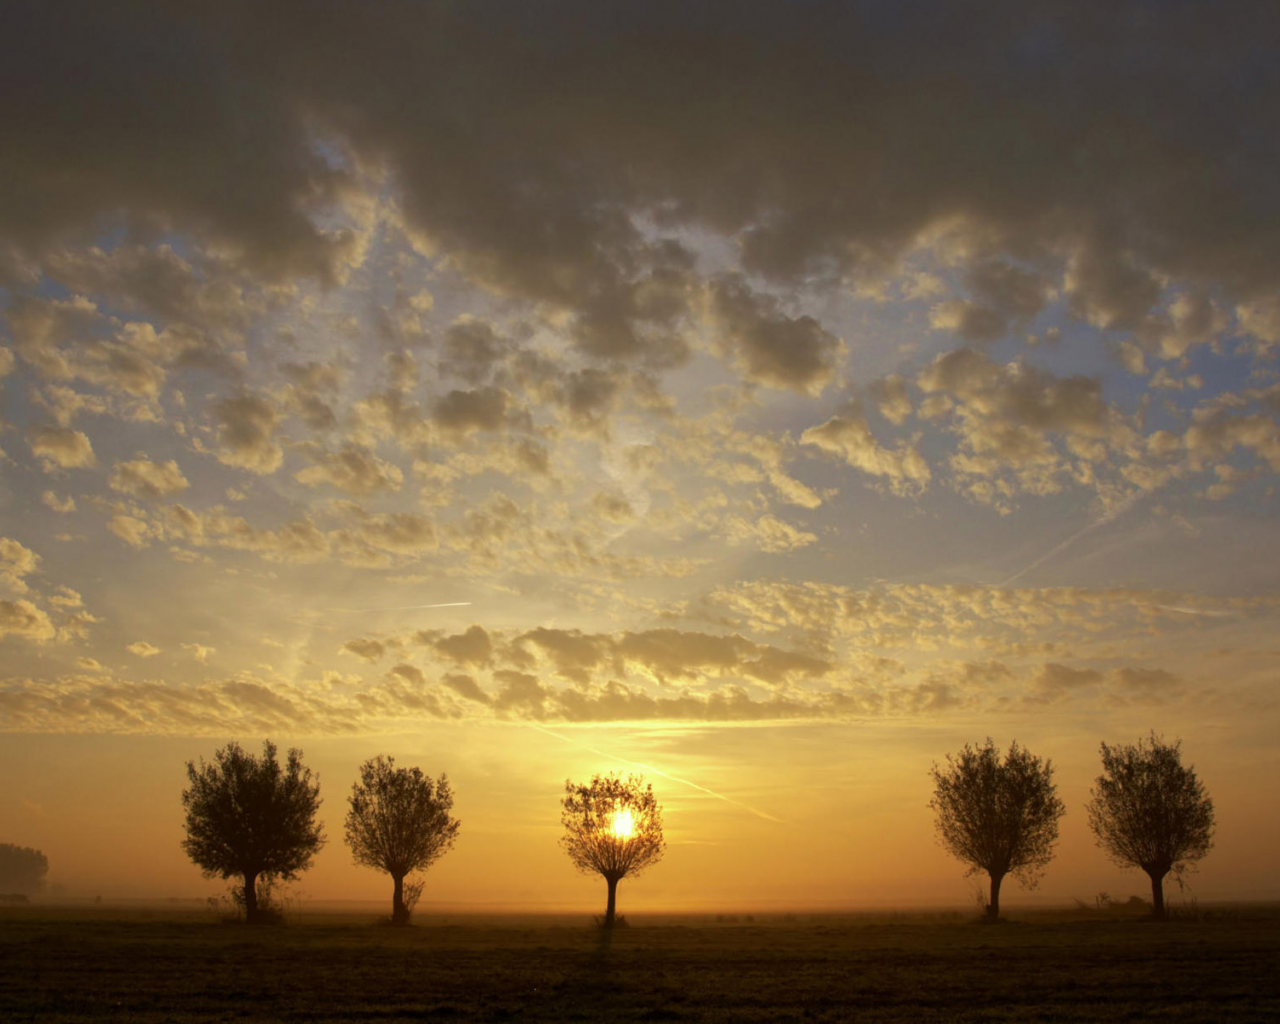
point(768, 398)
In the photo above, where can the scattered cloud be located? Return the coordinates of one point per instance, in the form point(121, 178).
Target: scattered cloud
point(142, 478)
point(59, 448)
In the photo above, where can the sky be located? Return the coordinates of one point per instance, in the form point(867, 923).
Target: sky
point(765, 398)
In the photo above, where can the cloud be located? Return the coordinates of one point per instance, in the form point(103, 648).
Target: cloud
point(90, 704)
point(850, 438)
point(463, 412)
point(1055, 681)
point(768, 533)
point(969, 320)
point(143, 478)
point(1014, 163)
point(245, 427)
point(1214, 434)
point(520, 693)
point(311, 392)
point(472, 349)
point(353, 470)
point(1148, 685)
point(61, 449)
point(1193, 320)
point(581, 339)
point(470, 648)
point(142, 649)
point(61, 505)
point(403, 533)
point(156, 280)
point(837, 621)
point(63, 340)
point(892, 399)
point(17, 561)
point(771, 347)
point(1016, 395)
point(613, 507)
point(66, 404)
point(366, 648)
point(23, 619)
point(1260, 319)
point(1019, 423)
point(573, 653)
point(1007, 296)
point(410, 674)
point(465, 686)
point(297, 541)
point(665, 656)
point(135, 532)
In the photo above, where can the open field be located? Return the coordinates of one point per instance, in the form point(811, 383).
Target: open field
point(81, 965)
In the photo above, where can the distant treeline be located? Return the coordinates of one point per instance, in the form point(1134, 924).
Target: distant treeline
point(22, 872)
point(254, 819)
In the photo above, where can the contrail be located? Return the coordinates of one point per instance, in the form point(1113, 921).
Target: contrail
point(658, 771)
point(1102, 520)
point(1210, 612)
point(405, 607)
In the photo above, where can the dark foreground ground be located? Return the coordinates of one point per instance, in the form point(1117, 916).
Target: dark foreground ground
point(71, 965)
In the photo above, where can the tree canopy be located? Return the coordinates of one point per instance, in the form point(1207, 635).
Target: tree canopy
point(247, 816)
point(612, 827)
point(399, 822)
point(997, 816)
point(22, 869)
point(1150, 811)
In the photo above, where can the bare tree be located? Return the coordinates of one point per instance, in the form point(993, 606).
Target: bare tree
point(22, 869)
point(998, 817)
point(399, 823)
point(612, 827)
point(1150, 812)
point(248, 817)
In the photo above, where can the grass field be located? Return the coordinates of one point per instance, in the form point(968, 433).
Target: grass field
point(85, 965)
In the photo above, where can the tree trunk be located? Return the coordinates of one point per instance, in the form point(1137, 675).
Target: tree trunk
point(1157, 894)
point(399, 912)
point(612, 906)
point(993, 908)
point(250, 896)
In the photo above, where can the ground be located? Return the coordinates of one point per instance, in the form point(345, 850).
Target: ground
point(68, 964)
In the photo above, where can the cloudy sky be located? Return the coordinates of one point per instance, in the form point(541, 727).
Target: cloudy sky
point(767, 397)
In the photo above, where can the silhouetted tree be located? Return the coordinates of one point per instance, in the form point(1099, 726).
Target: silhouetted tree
point(248, 817)
point(22, 869)
point(399, 822)
point(997, 817)
point(1150, 812)
point(613, 827)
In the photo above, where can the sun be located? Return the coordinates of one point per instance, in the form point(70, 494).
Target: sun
point(622, 824)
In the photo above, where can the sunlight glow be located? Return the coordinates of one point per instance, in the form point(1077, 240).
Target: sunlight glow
point(622, 824)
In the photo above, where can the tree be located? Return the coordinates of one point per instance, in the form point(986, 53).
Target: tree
point(613, 827)
point(399, 822)
point(22, 869)
point(249, 818)
point(1150, 812)
point(1001, 818)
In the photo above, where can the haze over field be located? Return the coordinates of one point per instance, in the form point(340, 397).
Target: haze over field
point(769, 398)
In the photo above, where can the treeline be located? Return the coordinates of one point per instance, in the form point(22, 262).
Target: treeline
point(1000, 816)
point(254, 819)
point(22, 872)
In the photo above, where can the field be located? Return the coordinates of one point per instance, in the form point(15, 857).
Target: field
point(87, 965)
